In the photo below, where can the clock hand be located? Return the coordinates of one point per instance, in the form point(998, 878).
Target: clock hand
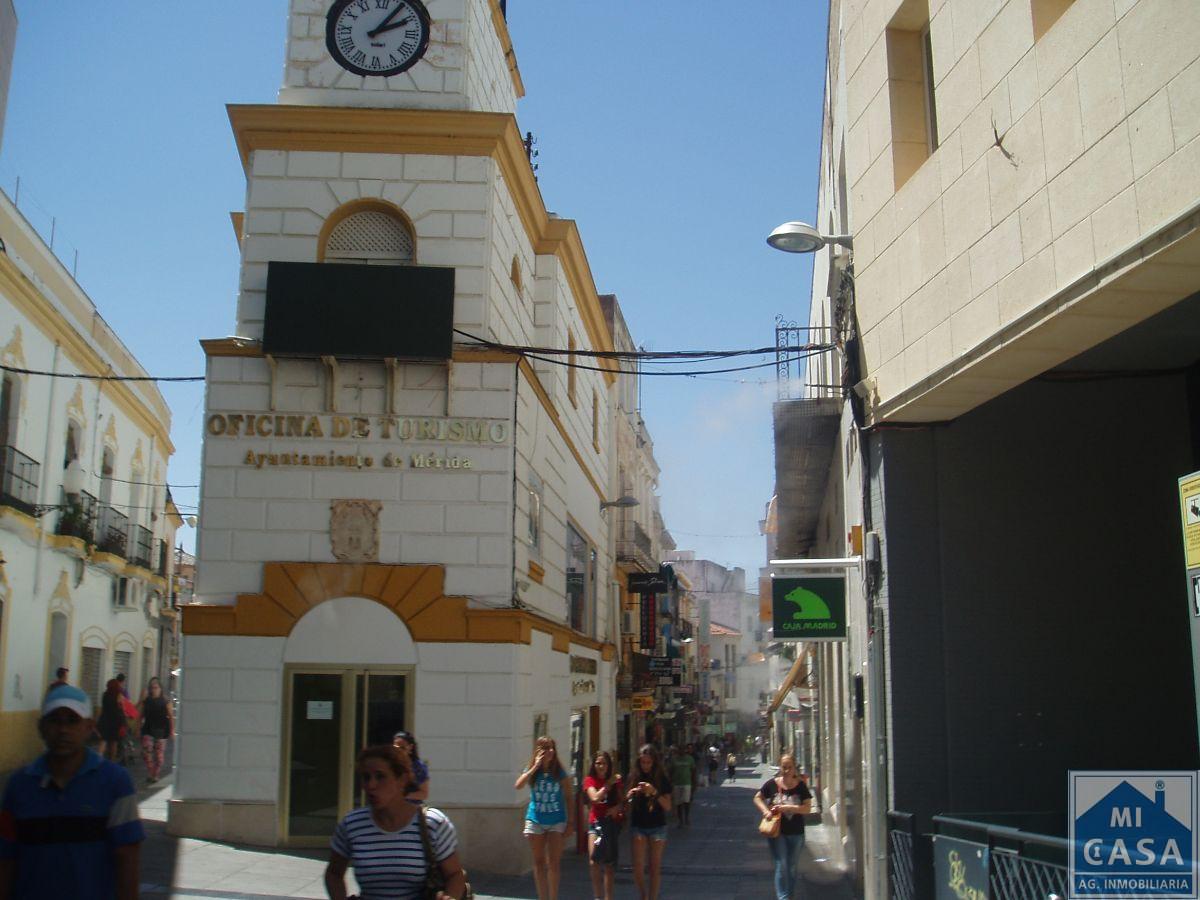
point(380, 27)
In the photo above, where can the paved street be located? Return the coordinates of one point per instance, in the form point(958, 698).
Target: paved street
point(721, 857)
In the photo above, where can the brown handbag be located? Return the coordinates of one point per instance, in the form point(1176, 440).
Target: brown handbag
point(770, 825)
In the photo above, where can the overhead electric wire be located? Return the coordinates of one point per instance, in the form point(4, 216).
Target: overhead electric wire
point(16, 370)
point(635, 355)
point(557, 362)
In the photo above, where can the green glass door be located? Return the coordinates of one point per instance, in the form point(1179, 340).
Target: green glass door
point(315, 767)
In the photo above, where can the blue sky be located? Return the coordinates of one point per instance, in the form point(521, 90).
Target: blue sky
point(677, 134)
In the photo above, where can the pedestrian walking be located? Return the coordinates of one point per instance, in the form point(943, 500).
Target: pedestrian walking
point(69, 824)
point(60, 678)
point(392, 843)
point(407, 745)
point(714, 762)
point(156, 722)
point(111, 724)
point(731, 766)
point(785, 797)
point(649, 799)
point(548, 816)
point(603, 789)
point(683, 775)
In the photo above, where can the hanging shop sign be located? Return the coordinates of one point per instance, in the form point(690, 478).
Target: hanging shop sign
point(649, 634)
point(647, 583)
point(642, 702)
point(809, 608)
point(664, 665)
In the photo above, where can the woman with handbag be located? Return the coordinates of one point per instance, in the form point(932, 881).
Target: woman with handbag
point(649, 799)
point(603, 789)
point(783, 801)
point(548, 816)
point(399, 849)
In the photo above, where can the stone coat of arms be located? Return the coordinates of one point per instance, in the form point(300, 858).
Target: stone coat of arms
point(354, 530)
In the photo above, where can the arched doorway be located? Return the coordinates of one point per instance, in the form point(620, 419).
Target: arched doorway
point(348, 683)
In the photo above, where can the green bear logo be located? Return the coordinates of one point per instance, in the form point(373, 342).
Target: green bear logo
point(811, 606)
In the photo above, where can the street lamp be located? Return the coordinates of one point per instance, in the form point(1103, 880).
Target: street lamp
point(799, 237)
point(620, 503)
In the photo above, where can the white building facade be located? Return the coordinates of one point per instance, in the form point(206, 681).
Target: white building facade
point(84, 513)
point(397, 534)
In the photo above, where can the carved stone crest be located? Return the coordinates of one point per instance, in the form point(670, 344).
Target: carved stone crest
point(354, 529)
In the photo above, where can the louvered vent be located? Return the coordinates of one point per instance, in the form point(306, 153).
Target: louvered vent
point(370, 236)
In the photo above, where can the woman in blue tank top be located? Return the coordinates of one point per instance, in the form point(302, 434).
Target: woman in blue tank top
point(549, 815)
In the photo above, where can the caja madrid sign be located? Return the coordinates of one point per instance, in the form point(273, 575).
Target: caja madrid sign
point(811, 608)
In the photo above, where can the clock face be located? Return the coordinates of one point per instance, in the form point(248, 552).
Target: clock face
point(377, 37)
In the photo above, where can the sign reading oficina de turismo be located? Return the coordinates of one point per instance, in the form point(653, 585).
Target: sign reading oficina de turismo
point(809, 608)
point(1133, 834)
point(382, 431)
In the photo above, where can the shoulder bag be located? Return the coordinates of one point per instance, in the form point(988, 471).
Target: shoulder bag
point(769, 826)
point(435, 881)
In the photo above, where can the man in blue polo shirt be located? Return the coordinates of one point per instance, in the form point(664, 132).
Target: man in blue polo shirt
point(69, 824)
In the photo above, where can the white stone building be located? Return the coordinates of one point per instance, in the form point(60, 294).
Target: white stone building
point(83, 575)
point(400, 526)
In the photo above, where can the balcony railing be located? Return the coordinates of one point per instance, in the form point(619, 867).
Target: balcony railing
point(1020, 863)
point(141, 545)
point(77, 517)
point(634, 544)
point(19, 480)
point(112, 528)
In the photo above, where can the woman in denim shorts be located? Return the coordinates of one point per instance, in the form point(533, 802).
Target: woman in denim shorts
point(548, 816)
point(649, 799)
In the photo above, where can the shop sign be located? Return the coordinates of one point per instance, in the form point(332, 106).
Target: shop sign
point(961, 869)
point(583, 686)
point(795, 715)
point(642, 702)
point(809, 608)
point(663, 665)
point(647, 583)
point(649, 634)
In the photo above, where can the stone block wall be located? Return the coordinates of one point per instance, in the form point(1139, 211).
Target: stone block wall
point(1055, 154)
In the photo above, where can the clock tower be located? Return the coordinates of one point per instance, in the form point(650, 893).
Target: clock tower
point(444, 54)
point(401, 518)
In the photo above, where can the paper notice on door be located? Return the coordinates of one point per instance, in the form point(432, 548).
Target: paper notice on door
point(320, 709)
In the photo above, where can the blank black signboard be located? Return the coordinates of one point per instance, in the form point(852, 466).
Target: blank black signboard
point(372, 312)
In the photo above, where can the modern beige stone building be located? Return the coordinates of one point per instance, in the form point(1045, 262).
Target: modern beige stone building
point(1017, 327)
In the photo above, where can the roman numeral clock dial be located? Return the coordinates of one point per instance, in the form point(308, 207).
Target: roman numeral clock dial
point(377, 37)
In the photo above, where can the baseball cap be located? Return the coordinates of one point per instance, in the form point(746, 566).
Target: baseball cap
point(66, 696)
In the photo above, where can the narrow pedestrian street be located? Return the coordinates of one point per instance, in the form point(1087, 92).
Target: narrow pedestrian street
point(720, 857)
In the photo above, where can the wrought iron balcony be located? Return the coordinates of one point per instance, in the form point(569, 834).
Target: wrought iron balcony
point(141, 546)
point(77, 517)
point(112, 529)
point(634, 544)
point(19, 481)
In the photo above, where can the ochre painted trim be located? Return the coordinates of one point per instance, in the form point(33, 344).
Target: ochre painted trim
point(239, 224)
point(436, 133)
point(413, 592)
point(231, 346)
point(536, 572)
point(510, 56)
point(15, 521)
point(248, 347)
point(30, 302)
point(547, 404)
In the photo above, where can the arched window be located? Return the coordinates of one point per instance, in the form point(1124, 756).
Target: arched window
point(58, 641)
point(370, 235)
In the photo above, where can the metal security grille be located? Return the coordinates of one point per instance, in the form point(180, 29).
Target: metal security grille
point(91, 665)
point(370, 236)
point(123, 663)
point(1014, 877)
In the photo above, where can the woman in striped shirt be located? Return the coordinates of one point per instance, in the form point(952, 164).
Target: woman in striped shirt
point(382, 840)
